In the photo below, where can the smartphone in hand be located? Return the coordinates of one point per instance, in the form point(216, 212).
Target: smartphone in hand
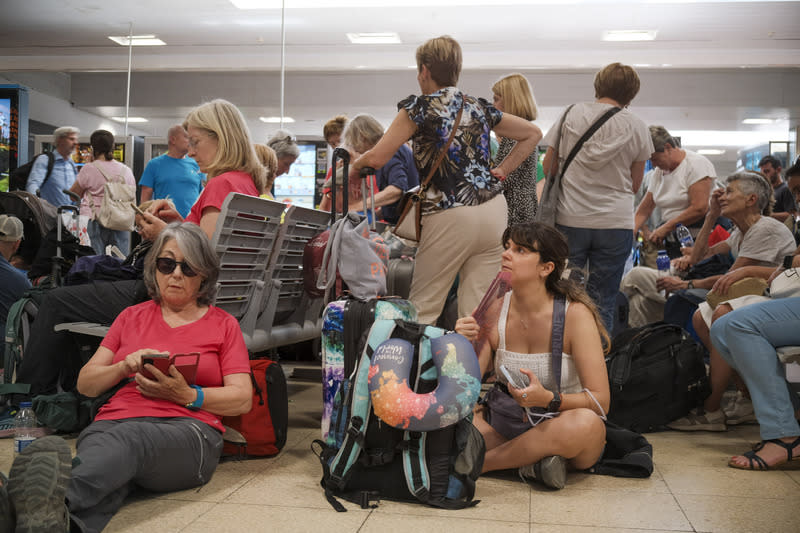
point(186, 363)
point(511, 381)
point(136, 208)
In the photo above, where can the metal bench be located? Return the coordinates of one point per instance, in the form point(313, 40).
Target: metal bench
point(260, 247)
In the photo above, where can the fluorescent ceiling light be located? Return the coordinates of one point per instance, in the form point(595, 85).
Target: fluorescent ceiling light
point(138, 40)
point(374, 38)
point(710, 151)
point(629, 35)
point(276, 120)
point(326, 4)
point(130, 119)
point(758, 121)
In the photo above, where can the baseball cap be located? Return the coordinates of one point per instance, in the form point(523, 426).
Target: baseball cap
point(10, 228)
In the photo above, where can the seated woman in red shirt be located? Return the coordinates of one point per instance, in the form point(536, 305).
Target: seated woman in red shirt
point(160, 433)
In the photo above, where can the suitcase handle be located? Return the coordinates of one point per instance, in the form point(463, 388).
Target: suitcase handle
point(344, 155)
point(365, 173)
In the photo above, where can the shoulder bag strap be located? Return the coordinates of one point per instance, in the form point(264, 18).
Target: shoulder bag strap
point(593, 128)
point(424, 185)
point(94, 164)
point(51, 161)
point(557, 342)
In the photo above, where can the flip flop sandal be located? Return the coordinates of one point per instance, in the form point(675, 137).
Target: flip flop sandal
point(756, 462)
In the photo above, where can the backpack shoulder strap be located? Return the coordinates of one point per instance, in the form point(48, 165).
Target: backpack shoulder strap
point(360, 407)
point(557, 342)
point(51, 161)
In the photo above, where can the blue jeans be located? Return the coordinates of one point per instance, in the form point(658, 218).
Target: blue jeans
point(606, 251)
point(102, 237)
point(746, 338)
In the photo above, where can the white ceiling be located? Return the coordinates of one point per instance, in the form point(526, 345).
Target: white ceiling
point(701, 72)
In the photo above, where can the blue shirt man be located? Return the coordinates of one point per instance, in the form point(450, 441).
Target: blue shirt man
point(64, 170)
point(173, 175)
point(13, 282)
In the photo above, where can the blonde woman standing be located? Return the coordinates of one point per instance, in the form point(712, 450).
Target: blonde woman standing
point(513, 94)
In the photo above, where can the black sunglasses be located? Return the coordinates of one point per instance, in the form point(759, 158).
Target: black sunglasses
point(166, 265)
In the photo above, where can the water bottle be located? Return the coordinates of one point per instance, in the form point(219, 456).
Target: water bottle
point(684, 236)
point(24, 427)
point(662, 263)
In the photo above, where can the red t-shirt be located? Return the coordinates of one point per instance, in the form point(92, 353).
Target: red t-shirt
point(217, 189)
point(216, 336)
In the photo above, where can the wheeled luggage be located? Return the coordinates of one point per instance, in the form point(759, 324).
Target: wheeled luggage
point(344, 323)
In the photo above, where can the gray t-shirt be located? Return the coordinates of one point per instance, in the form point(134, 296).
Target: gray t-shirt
point(767, 241)
point(598, 188)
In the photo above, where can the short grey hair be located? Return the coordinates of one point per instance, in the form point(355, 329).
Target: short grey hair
point(750, 182)
point(284, 144)
point(65, 131)
point(362, 133)
point(196, 248)
point(661, 137)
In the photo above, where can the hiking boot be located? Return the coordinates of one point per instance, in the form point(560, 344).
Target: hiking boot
point(38, 484)
point(550, 471)
point(6, 520)
point(740, 411)
point(694, 421)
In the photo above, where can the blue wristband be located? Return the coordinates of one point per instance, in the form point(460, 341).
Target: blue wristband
point(198, 402)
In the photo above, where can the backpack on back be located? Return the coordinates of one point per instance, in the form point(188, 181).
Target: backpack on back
point(429, 453)
point(18, 178)
point(657, 374)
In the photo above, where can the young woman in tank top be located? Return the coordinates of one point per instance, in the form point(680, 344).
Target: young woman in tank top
point(535, 425)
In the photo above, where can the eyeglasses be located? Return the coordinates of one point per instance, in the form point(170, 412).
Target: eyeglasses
point(166, 265)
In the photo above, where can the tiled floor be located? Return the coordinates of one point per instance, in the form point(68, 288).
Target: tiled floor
point(691, 489)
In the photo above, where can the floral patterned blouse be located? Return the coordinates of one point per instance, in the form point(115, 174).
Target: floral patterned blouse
point(463, 178)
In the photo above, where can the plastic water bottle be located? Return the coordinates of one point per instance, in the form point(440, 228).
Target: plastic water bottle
point(24, 427)
point(684, 236)
point(662, 263)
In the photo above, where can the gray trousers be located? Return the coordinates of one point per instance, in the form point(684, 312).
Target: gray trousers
point(157, 454)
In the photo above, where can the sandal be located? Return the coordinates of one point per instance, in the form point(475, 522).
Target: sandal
point(756, 462)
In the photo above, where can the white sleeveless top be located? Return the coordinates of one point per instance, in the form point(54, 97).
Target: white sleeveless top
point(539, 363)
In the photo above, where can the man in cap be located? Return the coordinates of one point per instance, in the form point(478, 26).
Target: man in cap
point(13, 282)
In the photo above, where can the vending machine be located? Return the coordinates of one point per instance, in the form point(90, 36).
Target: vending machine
point(301, 185)
point(13, 130)
point(154, 147)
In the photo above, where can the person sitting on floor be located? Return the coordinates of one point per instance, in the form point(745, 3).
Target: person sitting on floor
point(756, 240)
point(535, 255)
point(766, 242)
point(159, 432)
point(746, 339)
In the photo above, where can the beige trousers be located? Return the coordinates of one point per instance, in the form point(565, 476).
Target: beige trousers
point(645, 301)
point(461, 241)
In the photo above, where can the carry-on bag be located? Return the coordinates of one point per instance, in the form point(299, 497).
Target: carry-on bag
point(657, 374)
point(265, 426)
point(344, 323)
point(405, 430)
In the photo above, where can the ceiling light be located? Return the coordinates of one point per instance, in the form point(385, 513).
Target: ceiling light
point(758, 121)
point(374, 38)
point(138, 40)
point(130, 119)
point(276, 120)
point(710, 151)
point(629, 35)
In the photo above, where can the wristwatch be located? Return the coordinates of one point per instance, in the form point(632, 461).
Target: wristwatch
point(555, 403)
point(690, 284)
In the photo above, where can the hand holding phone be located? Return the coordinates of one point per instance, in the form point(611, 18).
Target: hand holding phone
point(511, 381)
point(136, 208)
point(186, 363)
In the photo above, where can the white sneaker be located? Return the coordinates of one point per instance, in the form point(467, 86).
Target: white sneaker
point(740, 411)
point(708, 421)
